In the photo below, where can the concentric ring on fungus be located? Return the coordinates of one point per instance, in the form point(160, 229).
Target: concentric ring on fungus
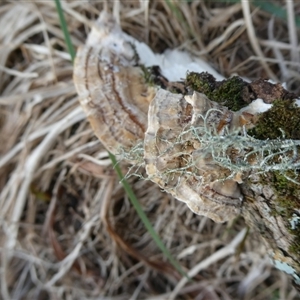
point(113, 93)
point(175, 160)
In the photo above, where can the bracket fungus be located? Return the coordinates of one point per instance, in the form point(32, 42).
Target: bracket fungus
point(176, 158)
point(196, 149)
point(111, 86)
point(124, 109)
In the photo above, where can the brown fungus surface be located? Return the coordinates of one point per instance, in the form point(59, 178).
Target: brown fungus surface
point(176, 160)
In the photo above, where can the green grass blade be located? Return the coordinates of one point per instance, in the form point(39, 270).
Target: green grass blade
point(268, 7)
point(275, 10)
point(144, 218)
point(125, 184)
point(65, 30)
point(180, 17)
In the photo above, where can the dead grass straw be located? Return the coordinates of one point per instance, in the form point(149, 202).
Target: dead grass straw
point(67, 229)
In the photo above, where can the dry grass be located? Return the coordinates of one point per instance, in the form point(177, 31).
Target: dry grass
point(67, 229)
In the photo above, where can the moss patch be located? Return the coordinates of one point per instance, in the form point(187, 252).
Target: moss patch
point(148, 75)
point(287, 191)
point(281, 121)
point(229, 93)
point(288, 200)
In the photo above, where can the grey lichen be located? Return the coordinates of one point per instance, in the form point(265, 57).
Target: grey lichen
point(285, 267)
point(294, 221)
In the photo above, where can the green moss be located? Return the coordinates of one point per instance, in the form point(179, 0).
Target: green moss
point(283, 121)
point(288, 192)
point(227, 92)
point(284, 186)
point(230, 94)
point(148, 75)
point(201, 82)
point(295, 245)
point(288, 201)
point(282, 118)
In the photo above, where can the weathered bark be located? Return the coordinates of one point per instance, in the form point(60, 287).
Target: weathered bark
point(278, 223)
point(203, 143)
point(271, 203)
